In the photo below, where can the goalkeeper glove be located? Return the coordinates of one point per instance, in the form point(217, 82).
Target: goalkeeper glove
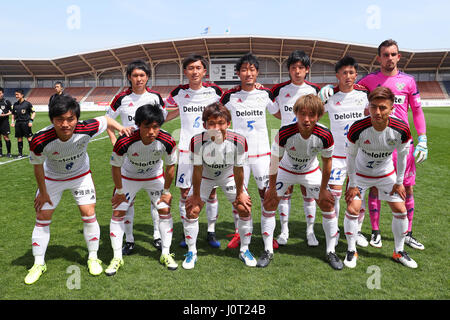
point(421, 151)
point(326, 92)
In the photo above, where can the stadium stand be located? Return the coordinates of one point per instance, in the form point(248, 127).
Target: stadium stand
point(164, 91)
point(102, 94)
point(10, 93)
point(77, 92)
point(446, 85)
point(430, 90)
point(40, 96)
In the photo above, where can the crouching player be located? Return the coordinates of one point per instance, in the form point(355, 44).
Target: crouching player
point(218, 156)
point(137, 163)
point(371, 142)
point(58, 154)
point(294, 161)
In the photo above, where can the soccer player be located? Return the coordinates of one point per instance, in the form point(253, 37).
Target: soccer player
point(5, 112)
point(59, 156)
point(125, 105)
point(189, 101)
point(371, 142)
point(294, 161)
point(137, 163)
point(407, 95)
point(285, 95)
point(345, 106)
point(247, 105)
point(22, 120)
point(218, 157)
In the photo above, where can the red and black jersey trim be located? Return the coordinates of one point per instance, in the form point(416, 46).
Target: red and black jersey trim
point(218, 89)
point(41, 139)
point(117, 101)
point(167, 140)
point(356, 86)
point(276, 88)
point(89, 127)
point(400, 126)
point(196, 142)
point(227, 95)
point(285, 133)
point(269, 92)
point(324, 134)
point(314, 85)
point(161, 100)
point(124, 142)
point(239, 141)
point(357, 127)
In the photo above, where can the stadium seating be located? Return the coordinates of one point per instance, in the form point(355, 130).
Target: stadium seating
point(430, 90)
point(164, 91)
point(102, 94)
point(40, 96)
point(446, 85)
point(10, 93)
point(77, 92)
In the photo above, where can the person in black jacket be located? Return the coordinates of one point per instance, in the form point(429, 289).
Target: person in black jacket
point(22, 120)
point(5, 112)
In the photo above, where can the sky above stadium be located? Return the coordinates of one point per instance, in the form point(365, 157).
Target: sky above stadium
point(51, 29)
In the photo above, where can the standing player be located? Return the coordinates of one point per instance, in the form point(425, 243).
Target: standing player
point(137, 163)
point(247, 106)
point(371, 142)
point(190, 100)
point(22, 120)
point(407, 95)
point(218, 155)
point(5, 112)
point(58, 154)
point(125, 104)
point(294, 161)
point(347, 105)
point(285, 95)
point(59, 91)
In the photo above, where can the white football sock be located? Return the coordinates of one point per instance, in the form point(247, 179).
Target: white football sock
point(337, 197)
point(166, 231)
point(191, 234)
point(40, 239)
point(245, 227)
point(268, 222)
point(284, 207)
point(330, 228)
point(309, 206)
point(155, 218)
point(128, 221)
point(116, 231)
point(212, 208)
point(91, 232)
point(362, 214)
point(351, 230)
point(399, 229)
point(182, 208)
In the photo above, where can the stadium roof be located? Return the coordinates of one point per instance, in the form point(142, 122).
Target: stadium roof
point(277, 48)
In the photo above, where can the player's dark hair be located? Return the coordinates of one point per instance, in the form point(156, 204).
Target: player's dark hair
point(138, 64)
point(20, 91)
point(296, 56)
point(310, 103)
point(387, 43)
point(149, 113)
point(2, 90)
point(63, 104)
point(382, 93)
point(247, 58)
point(194, 58)
point(345, 62)
point(215, 110)
point(60, 83)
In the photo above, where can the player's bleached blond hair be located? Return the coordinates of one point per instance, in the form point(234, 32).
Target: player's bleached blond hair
point(310, 103)
point(382, 93)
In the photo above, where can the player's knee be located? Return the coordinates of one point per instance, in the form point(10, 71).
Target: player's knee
point(164, 212)
point(192, 214)
point(184, 193)
point(119, 213)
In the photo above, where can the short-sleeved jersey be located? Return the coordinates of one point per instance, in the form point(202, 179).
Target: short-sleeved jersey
point(374, 148)
point(299, 155)
point(127, 102)
point(406, 94)
point(344, 109)
point(218, 160)
point(191, 104)
point(140, 161)
point(22, 111)
point(248, 115)
point(5, 107)
point(65, 160)
point(286, 94)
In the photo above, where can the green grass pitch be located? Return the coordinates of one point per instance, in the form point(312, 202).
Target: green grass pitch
point(296, 273)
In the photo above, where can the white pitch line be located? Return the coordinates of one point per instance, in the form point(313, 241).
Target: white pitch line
point(10, 161)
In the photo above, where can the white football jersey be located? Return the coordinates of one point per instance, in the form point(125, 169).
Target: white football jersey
point(191, 104)
point(143, 162)
point(299, 154)
point(374, 148)
point(65, 160)
point(286, 94)
point(127, 102)
point(218, 160)
point(248, 115)
point(344, 109)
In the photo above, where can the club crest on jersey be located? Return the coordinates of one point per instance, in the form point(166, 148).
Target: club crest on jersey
point(391, 142)
point(400, 85)
point(315, 149)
